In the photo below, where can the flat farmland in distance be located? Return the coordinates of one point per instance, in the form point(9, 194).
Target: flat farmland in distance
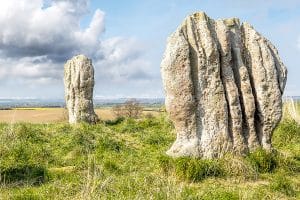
point(52, 115)
point(32, 115)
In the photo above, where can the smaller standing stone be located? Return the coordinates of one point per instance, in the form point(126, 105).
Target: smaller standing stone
point(79, 85)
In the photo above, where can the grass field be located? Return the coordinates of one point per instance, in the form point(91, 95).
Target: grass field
point(51, 115)
point(126, 160)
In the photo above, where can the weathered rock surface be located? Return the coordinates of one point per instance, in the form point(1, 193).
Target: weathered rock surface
point(223, 83)
point(79, 85)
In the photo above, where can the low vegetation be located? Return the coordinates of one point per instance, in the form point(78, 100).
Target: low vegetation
point(130, 109)
point(125, 159)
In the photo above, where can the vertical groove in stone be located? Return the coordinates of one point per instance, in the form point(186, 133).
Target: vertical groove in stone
point(194, 51)
point(243, 83)
point(226, 136)
point(212, 94)
point(265, 83)
point(266, 136)
point(230, 88)
point(248, 62)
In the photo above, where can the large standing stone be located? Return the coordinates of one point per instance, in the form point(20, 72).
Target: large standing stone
point(223, 83)
point(79, 85)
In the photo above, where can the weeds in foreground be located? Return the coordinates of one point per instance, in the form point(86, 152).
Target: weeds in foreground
point(126, 160)
point(281, 184)
point(263, 161)
point(192, 169)
point(246, 168)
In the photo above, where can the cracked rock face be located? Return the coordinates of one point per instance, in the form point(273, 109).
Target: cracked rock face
point(79, 85)
point(223, 83)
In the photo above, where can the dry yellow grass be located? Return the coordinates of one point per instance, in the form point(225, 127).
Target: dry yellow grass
point(291, 110)
point(32, 115)
point(50, 115)
point(105, 113)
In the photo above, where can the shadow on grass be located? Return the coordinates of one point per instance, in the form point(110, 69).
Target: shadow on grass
point(26, 174)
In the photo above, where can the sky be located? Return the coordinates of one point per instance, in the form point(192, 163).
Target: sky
point(124, 39)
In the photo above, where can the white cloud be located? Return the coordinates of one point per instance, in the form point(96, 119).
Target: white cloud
point(29, 70)
point(37, 38)
point(122, 60)
point(29, 30)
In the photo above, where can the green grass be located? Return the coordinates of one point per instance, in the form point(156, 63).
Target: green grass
point(282, 184)
point(192, 169)
point(125, 159)
point(263, 161)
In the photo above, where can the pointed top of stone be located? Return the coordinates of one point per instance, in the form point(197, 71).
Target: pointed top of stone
point(80, 57)
point(232, 21)
point(200, 15)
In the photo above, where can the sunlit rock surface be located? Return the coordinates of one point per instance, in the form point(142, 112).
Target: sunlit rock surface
point(223, 83)
point(79, 85)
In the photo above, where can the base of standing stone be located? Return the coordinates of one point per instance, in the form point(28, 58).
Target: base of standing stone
point(91, 119)
point(185, 147)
